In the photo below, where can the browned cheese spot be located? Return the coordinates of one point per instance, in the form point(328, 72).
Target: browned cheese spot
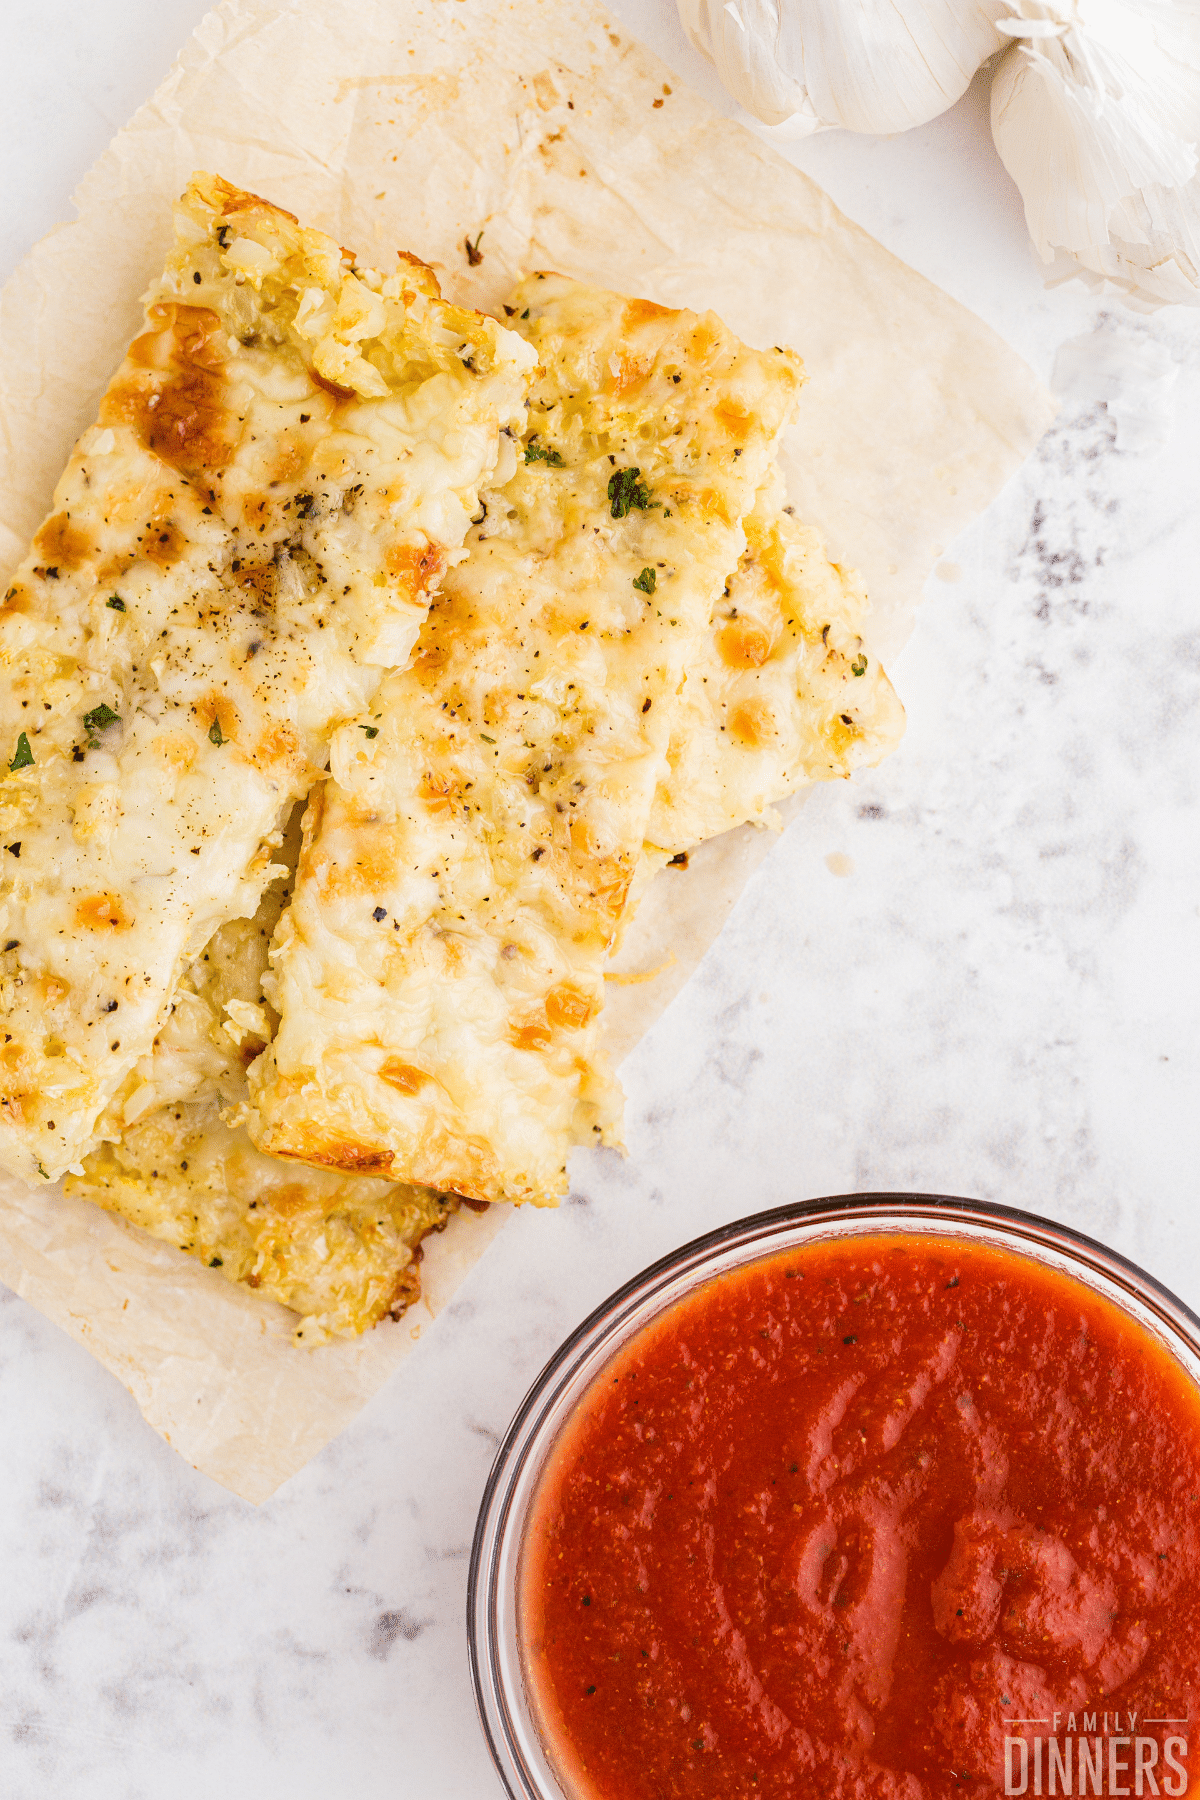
point(705, 339)
point(640, 312)
point(752, 724)
point(423, 278)
point(101, 912)
point(568, 1008)
point(259, 582)
point(17, 599)
point(743, 644)
point(330, 1153)
point(256, 508)
point(278, 748)
point(291, 1200)
point(439, 792)
point(403, 1076)
point(630, 372)
point(841, 735)
point(331, 387)
point(709, 502)
point(378, 850)
point(173, 394)
point(610, 887)
point(219, 707)
point(62, 545)
point(607, 877)
point(736, 418)
point(248, 209)
point(583, 843)
point(429, 658)
point(416, 566)
point(289, 459)
point(163, 543)
point(114, 567)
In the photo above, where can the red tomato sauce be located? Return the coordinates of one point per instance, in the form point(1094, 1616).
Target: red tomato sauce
point(847, 1521)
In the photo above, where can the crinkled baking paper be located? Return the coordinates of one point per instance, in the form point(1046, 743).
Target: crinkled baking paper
point(413, 124)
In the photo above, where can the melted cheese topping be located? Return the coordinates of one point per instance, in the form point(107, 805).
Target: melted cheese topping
point(783, 692)
point(283, 466)
point(338, 1249)
point(440, 971)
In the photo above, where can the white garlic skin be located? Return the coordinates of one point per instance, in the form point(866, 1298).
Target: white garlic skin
point(869, 65)
point(1096, 116)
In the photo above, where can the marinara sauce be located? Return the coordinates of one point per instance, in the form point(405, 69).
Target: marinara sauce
point(891, 1517)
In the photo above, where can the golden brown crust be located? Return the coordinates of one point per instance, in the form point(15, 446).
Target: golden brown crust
point(473, 864)
point(785, 690)
point(336, 1248)
point(231, 560)
point(174, 394)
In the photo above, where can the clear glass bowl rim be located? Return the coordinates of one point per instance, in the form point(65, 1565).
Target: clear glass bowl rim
point(631, 1306)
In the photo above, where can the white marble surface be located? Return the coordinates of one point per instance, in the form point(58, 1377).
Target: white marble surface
point(1001, 999)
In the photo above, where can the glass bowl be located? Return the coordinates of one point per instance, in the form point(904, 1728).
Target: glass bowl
point(507, 1710)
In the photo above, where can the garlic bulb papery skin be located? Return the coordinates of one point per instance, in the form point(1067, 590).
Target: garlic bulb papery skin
point(1096, 115)
point(868, 65)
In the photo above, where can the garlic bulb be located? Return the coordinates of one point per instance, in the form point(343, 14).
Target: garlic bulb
point(870, 65)
point(1096, 115)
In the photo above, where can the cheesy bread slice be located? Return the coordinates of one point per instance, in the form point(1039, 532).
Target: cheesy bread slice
point(282, 468)
point(341, 1250)
point(783, 690)
point(439, 973)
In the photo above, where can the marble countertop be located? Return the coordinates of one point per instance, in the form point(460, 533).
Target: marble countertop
point(975, 970)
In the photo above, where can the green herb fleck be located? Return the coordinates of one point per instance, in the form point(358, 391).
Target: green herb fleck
point(474, 253)
point(625, 491)
point(486, 738)
point(24, 757)
point(101, 717)
point(116, 602)
point(215, 734)
point(42, 1172)
point(647, 581)
point(216, 1262)
point(525, 314)
point(859, 665)
point(535, 452)
point(371, 730)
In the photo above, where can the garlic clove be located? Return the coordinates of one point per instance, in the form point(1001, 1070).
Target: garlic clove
point(743, 53)
point(867, 65)
point(1097, 122)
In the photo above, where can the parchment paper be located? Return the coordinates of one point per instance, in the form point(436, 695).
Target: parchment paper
point(411, 124)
